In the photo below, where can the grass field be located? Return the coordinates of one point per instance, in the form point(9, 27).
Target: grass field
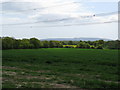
point(60, 68)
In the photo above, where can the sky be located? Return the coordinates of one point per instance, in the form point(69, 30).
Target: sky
point(59, 19)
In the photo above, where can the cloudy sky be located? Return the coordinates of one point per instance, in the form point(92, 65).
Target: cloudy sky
point(59, 18)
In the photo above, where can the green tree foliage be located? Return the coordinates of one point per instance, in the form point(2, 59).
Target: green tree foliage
point(0, 43)
point(83, 45)
point(100, 42)
point(99, 47)
point(51, 44)
point(12, 43)
point(55, 44)
point(70, 43)
point(35, 43)
point(8, 42)
point(24, 43)
point(17, 44)
point(45, 44)
point(112, 44)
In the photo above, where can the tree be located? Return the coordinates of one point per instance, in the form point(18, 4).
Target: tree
point(101, 42)
point(83, 45)
point(8, 43)
point(45, 44)
point(51, 44)
point(35, 42)
point(17, 44)
point(70, 43)
point(112, 44)
point(99, 47)
point(0, 43)
point(25, 44)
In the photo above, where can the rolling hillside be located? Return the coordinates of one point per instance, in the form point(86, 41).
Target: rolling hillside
point(75, 39)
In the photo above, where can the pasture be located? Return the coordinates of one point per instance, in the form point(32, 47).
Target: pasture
point(60, 68)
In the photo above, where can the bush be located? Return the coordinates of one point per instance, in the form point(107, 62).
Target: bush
point(99, 47)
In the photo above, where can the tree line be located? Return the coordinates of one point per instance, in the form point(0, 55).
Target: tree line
point(34, 43)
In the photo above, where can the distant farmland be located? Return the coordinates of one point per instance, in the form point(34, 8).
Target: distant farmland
point(60, 68)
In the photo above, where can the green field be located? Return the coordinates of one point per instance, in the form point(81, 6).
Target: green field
point(60, 68)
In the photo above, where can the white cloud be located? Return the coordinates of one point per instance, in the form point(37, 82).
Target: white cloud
point(40, 10)
point(9, 20)
point(57, 0)
point(106, 18)
point(45, 9)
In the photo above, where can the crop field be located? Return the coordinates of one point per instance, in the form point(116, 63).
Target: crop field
point(74, 46)
point(60, 68)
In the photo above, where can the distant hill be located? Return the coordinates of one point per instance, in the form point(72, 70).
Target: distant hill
point(75, 39)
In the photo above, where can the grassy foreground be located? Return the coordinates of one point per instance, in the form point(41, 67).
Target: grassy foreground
point(60, 68)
